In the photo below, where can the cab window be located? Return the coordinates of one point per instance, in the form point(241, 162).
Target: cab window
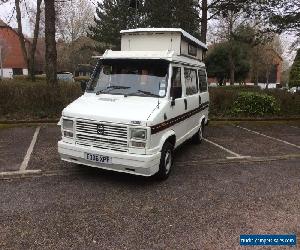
point(190, 76)
point(202, 80)
point(176, 86)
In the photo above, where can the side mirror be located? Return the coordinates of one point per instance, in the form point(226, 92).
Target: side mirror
point(83, 85)
point(173, 101)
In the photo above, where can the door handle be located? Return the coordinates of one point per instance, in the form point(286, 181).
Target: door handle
point(200, 100)
point(185, 103)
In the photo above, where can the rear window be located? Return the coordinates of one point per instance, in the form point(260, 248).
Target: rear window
point(190, 76)
point(202, 80)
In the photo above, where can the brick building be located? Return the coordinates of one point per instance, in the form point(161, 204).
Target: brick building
point(13, 62)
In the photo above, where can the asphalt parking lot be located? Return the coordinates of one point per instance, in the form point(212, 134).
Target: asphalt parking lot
point(243, 179)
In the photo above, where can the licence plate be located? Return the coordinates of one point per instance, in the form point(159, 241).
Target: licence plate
point(98, 158)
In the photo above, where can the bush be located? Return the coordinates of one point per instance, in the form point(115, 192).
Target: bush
point(251, 88)
point(21, 77)
point(39, 77)
point(254, 104)
point(223, 97)
point(289, 103)
point(22, 99)
point(222, 100)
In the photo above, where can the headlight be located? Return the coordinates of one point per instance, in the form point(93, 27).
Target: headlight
point(67, 124)
point(138, 134)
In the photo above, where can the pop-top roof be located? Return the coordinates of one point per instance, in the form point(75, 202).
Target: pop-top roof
point(153, 30)
point(164, 55)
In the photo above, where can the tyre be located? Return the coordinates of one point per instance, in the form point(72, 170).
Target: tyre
point(166, 161)
point(198, 137)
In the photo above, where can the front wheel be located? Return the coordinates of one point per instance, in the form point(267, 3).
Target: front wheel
point(166, 161)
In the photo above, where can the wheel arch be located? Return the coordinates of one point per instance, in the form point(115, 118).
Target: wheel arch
point(202, 120)
point(169, 136)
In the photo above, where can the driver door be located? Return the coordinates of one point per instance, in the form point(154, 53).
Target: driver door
point(177, 104)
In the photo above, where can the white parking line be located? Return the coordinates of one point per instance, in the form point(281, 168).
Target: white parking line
point(29, 151)
point(17, 173)
point(235, 155)
point(294, 127)
point(270, 137)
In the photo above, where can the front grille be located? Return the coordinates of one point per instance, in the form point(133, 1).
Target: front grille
point(111, 136)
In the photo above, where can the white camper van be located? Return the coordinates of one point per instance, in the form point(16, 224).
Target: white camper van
point(140, 104)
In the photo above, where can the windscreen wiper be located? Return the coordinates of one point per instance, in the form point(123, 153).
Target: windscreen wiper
point(111, 88)
point(148, 93)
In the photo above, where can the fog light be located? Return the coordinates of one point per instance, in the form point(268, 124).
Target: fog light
point(68, 134)
point(137, 144)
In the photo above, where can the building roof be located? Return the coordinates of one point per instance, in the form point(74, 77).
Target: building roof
point(178, 30)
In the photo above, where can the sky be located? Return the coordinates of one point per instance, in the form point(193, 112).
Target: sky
point(7, 14)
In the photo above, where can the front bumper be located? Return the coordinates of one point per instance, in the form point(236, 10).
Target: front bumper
point(145, 165)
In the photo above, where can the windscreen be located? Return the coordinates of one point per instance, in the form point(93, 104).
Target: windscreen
point(130, 77)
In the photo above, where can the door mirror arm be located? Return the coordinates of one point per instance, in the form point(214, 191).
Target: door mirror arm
point(173, 101)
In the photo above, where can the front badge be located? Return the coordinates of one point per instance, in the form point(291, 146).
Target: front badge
point(100, 129)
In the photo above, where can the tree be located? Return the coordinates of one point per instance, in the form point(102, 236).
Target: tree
point(29, 56)
point(267, 64)
point(275, 15)
point(213, 9)
point(227, 28)
point(217, 62)
point(260, 47)
point(79, 51)
point(113, 16)
point(74, 23)
point(284, 15)
point(50, 42)
point(35, 38)
point(31, 10)
point(3, 52)
point(295, 72)
point(173, 14)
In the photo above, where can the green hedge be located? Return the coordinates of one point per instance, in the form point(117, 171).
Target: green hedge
point(22, 99)
point(224, 100)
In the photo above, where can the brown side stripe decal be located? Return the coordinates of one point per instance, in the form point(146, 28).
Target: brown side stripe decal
point(164, 125)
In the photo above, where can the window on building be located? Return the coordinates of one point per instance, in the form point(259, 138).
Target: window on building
point(176, 86)
point(202, 80)
point(190, 76)
point(192, 50)
point(17, 71)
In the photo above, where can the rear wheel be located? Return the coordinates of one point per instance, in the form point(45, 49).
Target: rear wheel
point(166, 161)
point(198, 137)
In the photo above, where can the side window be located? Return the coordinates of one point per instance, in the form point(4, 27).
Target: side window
point(176, 87)
point(202, 80)
point(190, 76)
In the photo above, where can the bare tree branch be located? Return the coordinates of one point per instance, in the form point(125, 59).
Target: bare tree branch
point(20, 31)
